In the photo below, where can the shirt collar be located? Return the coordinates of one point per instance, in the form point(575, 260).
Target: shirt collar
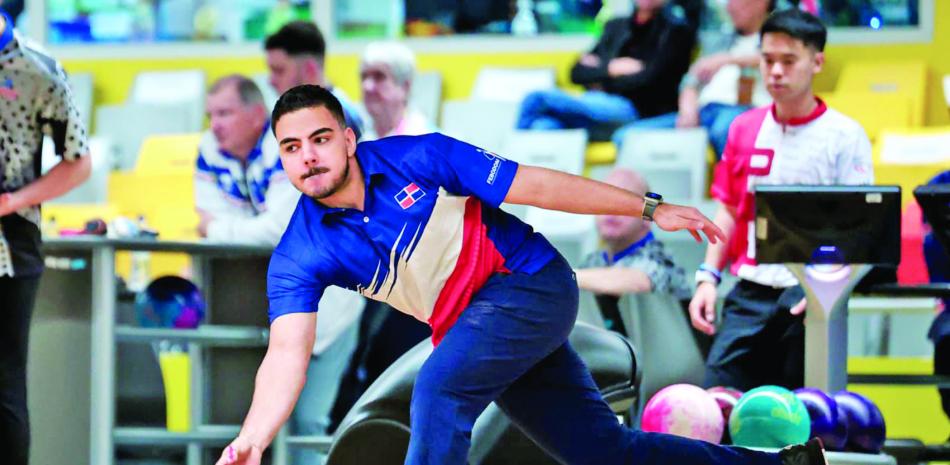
point(819, 110)
point(629, 250)
point(372, 171)
point(7, 35)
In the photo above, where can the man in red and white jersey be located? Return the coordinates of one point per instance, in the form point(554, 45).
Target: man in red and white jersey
point(796, 140)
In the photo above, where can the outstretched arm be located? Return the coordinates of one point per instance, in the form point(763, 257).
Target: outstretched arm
point(280, 378)
point(555, 190)
point(58, 181)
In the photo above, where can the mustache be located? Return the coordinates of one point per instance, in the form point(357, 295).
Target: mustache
point(314, 171)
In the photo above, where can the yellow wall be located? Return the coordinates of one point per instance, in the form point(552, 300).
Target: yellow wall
point(114, 77)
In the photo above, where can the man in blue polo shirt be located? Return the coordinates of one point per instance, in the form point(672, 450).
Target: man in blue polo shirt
point(414, 221)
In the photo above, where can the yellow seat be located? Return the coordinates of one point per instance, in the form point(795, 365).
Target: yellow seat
point(907, 78)
point(166, 200)
point(168, 154)
point(601, 153)
point(875, 112)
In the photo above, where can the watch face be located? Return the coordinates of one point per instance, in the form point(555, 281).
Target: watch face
point(653, 195)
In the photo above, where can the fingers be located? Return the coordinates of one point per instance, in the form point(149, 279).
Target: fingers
point(799, 308)
point(696, 235)
point(710, 311)
point(700, 316)
point(713, 232)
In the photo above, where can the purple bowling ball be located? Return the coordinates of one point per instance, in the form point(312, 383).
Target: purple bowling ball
point(866, 429)
point(826, 423)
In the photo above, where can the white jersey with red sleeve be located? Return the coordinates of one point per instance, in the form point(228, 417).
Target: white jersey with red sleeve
point(823, 148)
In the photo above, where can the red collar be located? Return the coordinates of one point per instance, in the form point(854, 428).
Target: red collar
point(819, 110)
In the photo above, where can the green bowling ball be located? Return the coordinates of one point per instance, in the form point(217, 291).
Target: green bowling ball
point(769, 416)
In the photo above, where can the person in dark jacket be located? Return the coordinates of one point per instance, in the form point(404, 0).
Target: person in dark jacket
point(633, 72)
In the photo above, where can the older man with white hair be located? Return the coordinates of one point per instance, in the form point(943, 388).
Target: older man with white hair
point(386, 73)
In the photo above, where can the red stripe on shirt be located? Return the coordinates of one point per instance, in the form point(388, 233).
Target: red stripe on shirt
point(731, 180)
point(478, 260)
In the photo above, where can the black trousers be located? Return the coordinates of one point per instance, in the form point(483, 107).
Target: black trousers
point(17, 296)
point(758, 341)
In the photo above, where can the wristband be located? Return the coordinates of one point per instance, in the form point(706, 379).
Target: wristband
point(708, 274)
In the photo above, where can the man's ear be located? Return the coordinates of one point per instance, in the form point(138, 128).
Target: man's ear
point(819, 61)
point(350, 138)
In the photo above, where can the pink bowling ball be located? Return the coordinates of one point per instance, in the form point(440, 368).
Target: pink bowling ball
point(684, 410)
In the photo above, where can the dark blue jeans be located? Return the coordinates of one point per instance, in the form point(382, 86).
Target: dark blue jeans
point(510, 346)
point(556, 109)
point(715, 117)
point(758, 342)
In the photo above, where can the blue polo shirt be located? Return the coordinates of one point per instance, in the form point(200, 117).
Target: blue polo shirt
point(430, 234)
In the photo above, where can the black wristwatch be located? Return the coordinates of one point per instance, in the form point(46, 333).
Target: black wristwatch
point(651, 200)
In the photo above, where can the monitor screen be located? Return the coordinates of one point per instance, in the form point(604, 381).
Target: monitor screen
point(828, 224)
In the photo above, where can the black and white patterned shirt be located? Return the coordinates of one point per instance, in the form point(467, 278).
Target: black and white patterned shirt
point(648, 256)
point(35, 100)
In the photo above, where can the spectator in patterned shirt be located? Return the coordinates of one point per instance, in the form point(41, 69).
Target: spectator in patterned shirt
point(35, 100)
point(241, 191)
point(632, 261)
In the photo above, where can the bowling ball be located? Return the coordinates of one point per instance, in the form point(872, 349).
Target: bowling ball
point(727, 398)
point(769, 416)
point(684, 410)
point(825, 420)
point(170, 302)
point(866, 428)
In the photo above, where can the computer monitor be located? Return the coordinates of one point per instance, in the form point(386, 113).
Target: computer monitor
point(934, 201)
point(828, 224)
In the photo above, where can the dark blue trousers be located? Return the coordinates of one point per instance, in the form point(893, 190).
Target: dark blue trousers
point(510, 346)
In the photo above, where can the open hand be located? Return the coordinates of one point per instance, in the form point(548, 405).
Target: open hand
point(670, 217)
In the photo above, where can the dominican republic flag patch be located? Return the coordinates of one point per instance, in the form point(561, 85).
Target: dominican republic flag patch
point(7, 91)
point(409, 195)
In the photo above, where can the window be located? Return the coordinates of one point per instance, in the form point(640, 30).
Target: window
point(373, 19)
point(125, 21)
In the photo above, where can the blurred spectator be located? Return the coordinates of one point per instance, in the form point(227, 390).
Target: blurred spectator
point(632, 261)
point(719, 86)
point(35, 101)
point(796, 140)
point(241, 191)
point(386, 73)
point(633, 72)
point(938, 266)
point(295, 56)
